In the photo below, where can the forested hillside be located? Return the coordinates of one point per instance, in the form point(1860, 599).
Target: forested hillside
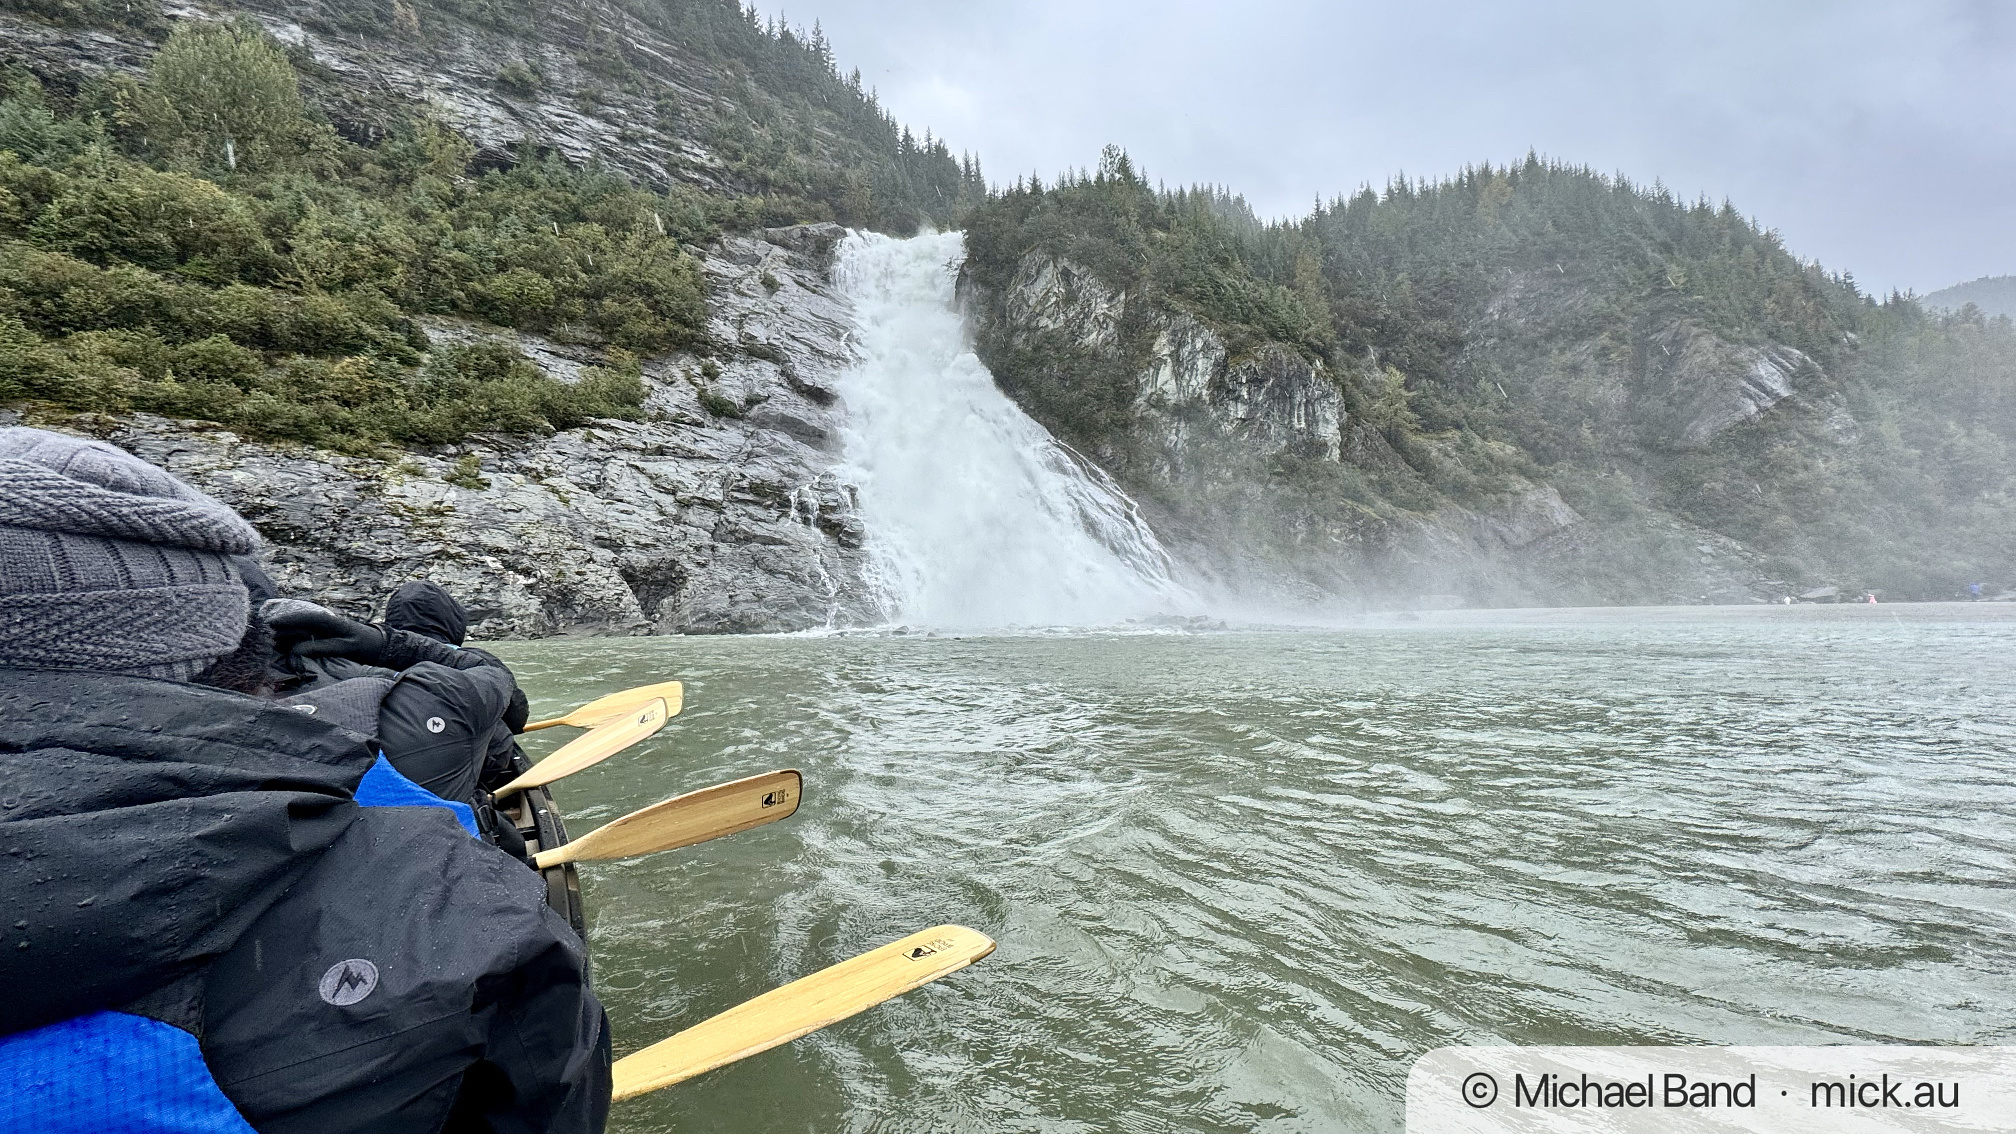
point(702, 92)
point(1679, 377)
point(529, 300)
point(238, 229)
point(1991, 295)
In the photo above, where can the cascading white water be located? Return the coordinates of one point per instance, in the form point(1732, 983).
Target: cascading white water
point(976, 516)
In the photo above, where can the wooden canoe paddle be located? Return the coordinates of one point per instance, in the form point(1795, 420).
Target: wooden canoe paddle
point(602, 710)
point(593, 747)
point(683, 820)
point(805, 1005)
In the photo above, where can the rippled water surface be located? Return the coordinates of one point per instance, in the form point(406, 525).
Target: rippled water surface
point(1241, 880)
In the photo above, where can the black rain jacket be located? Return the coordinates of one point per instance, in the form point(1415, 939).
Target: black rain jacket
point(438, 726)
point(428, 609)
point(195, 856)
point(468, 690)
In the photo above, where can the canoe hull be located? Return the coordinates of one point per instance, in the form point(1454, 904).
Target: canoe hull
point(538, 820)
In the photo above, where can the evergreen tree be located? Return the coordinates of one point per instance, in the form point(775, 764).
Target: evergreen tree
point(223, 96)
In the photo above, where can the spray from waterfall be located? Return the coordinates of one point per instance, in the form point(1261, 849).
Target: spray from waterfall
point(976, 516)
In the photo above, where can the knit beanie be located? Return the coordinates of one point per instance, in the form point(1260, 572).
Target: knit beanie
point(109, 563)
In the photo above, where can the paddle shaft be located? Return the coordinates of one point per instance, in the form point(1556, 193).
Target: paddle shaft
point(803, 1006)
point(592, 747)
point(684, 820)
point(607, 708)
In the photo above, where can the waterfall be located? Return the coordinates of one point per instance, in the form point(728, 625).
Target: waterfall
point(976, 516)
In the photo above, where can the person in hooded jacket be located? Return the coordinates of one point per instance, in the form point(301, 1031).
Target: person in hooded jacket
point(434, 727)
point(226, 915)
point(424, 626)
point(438, 711)
point(423, 607)
point(447, 716)
point(426, 608)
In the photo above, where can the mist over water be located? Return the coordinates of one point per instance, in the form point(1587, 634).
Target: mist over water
point(976, 517)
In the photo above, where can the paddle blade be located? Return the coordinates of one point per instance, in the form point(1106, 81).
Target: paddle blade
point(683, 820)
point(805, 1005)
point(592, 747)
point(603, 710)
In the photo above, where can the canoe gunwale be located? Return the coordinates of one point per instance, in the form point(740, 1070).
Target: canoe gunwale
point(539, 822)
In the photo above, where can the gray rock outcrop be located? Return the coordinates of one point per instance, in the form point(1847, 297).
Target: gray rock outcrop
point(686, 522)
point(1697, 385)
point(1269, 399)
point(1257, 476)
point(1678, 387)
point(587, 80)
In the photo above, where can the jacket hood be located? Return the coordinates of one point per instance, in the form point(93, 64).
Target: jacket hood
point(427, 608)
point(145, 824)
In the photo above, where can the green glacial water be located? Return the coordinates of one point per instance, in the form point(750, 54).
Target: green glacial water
point(1241, 880)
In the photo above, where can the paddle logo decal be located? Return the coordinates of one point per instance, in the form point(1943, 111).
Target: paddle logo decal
point(929, 949)
point(349, 981)
point(773, 798)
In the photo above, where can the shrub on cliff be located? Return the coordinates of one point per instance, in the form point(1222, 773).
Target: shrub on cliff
point(223, 96)
point(32, 133)
point(140, 271)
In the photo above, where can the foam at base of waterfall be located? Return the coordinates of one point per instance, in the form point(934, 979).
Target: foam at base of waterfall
point(976, 516)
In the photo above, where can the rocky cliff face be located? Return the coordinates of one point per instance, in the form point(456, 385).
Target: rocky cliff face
point(1679, 386)
point(1696, 385)
point(585, 79)
point(695, 520)
point(452, 65)
point(1256, 473)
point(1190, 387)
point(721, 511)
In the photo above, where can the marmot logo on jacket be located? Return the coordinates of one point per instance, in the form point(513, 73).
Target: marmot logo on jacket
point(349, 981)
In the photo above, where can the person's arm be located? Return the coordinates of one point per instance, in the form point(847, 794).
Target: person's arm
point(519, 710)
point(310, 631)
point(500, 763)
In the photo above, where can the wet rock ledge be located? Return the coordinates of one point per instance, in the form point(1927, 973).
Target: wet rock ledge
point(694, 520)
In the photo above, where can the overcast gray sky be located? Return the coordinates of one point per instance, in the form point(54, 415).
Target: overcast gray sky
point(1879, 138)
